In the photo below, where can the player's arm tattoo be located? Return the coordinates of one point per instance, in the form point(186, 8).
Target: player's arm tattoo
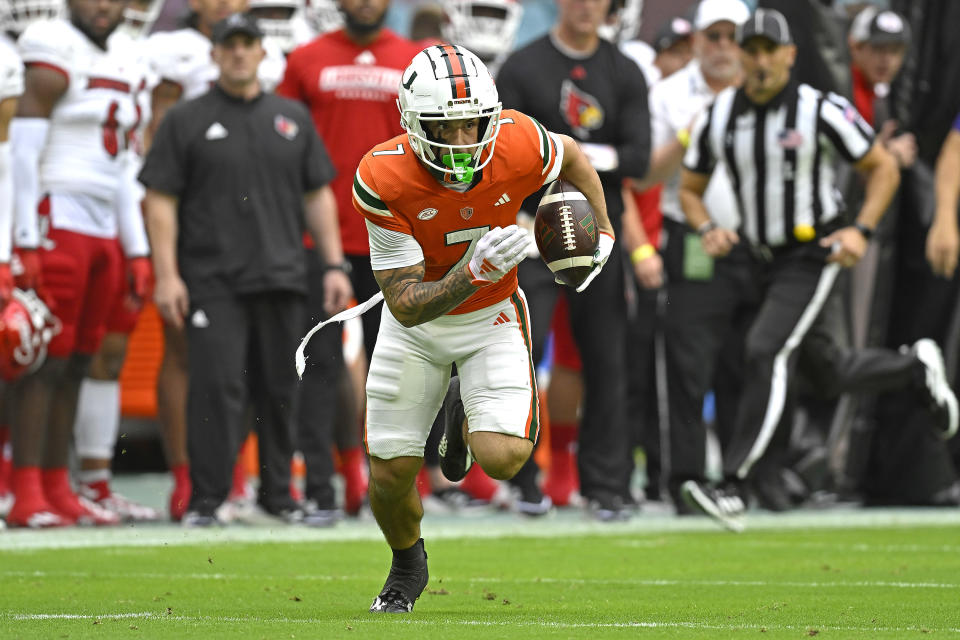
point(413, 301)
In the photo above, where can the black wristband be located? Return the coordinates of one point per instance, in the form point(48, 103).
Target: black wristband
point(344, 266)
point(706, 228)
point(864, 230)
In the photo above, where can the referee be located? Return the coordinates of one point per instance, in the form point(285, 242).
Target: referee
point(779, 140)
point(233, 177)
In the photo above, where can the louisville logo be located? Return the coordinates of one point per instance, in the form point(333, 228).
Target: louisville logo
point(286, 127)
point(580, 110)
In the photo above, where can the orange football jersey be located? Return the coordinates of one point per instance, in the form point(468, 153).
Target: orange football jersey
point(394, 190)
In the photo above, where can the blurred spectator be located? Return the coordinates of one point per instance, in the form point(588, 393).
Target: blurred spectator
point(706, 303)
point(229, 261)
point(603, 105)
point(183, 68)
point(349, 80)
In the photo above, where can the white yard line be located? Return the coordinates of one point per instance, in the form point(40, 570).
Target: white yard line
point(531, 624)
point(493, 525)
point(639, 582)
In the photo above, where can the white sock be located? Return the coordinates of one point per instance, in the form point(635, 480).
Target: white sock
point(98, 419)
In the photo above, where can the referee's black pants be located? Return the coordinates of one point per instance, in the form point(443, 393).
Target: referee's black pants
point(703, 327)
point(241, 347)
point(797, 283)
point(598, 320)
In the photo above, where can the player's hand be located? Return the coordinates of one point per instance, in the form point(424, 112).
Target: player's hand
point(337, 291)
point(718, 242)
point(172, 300)
point(6, 284)
point(497, 252)
point(649, 271)
point(140, 274)
point(847, 246)
point(904, 149)
point(943, 245)
point(604, 247)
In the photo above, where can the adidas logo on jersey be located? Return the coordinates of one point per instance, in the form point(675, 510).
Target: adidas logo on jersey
point(504, 199)
point(365, 58)
point(501, 319)
point(216, 131)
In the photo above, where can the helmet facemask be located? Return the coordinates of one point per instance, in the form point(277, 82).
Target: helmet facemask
point(431, 92)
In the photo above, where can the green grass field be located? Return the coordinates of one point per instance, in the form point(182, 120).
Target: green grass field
point(850, 575)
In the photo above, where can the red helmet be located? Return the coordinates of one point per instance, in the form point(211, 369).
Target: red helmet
point(26, 328)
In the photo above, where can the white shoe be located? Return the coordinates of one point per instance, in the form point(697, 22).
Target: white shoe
point(127, 509)
point(943, 400)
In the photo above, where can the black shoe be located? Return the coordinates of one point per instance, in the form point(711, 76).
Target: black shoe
point(529, 499)
point(455, 460)
point(289, 511)
point(722, 504)
point(403, 586)
point(315, 515)
point(457, 499)
point(607, 508)
point(199, 520)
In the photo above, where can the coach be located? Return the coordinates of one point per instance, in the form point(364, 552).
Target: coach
point(778, 140)
point(232, 178)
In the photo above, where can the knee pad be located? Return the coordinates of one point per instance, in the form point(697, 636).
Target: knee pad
point(98, 419)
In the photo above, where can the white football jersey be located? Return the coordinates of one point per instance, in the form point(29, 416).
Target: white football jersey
point(184, 57)
point(91, 126)
point(11, 69)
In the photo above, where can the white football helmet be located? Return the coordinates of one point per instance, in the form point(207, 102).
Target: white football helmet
point(323, 16)
point(448, 82)
point(281, 30)
point(139, 16)
point(623, 24)
point(486, 27)
point(18, 14)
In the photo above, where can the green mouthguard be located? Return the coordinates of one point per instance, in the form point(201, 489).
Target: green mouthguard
point(459, 162)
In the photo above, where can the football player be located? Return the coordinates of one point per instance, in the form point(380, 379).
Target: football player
point(75, 196)
point(440, 204)
point(282, 22)
point(11, 86)
point(486, 27)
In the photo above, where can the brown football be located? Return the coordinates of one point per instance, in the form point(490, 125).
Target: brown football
point(566, 232)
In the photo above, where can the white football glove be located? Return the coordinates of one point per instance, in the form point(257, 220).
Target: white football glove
point(497, 252)
point(604, 247)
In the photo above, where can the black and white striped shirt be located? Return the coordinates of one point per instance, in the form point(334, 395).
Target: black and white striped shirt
point(780, 157)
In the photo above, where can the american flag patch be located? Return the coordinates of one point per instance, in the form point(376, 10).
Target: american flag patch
point(790, 139)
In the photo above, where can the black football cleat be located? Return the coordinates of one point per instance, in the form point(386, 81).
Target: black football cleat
point(455, 459)
point(723, 504)
point(403, 586)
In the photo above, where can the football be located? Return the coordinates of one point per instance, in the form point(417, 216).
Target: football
point(566, 233)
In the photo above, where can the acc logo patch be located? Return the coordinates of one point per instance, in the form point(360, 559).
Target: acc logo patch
point(286, 127)
point(466, 213)
point(427, 214)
